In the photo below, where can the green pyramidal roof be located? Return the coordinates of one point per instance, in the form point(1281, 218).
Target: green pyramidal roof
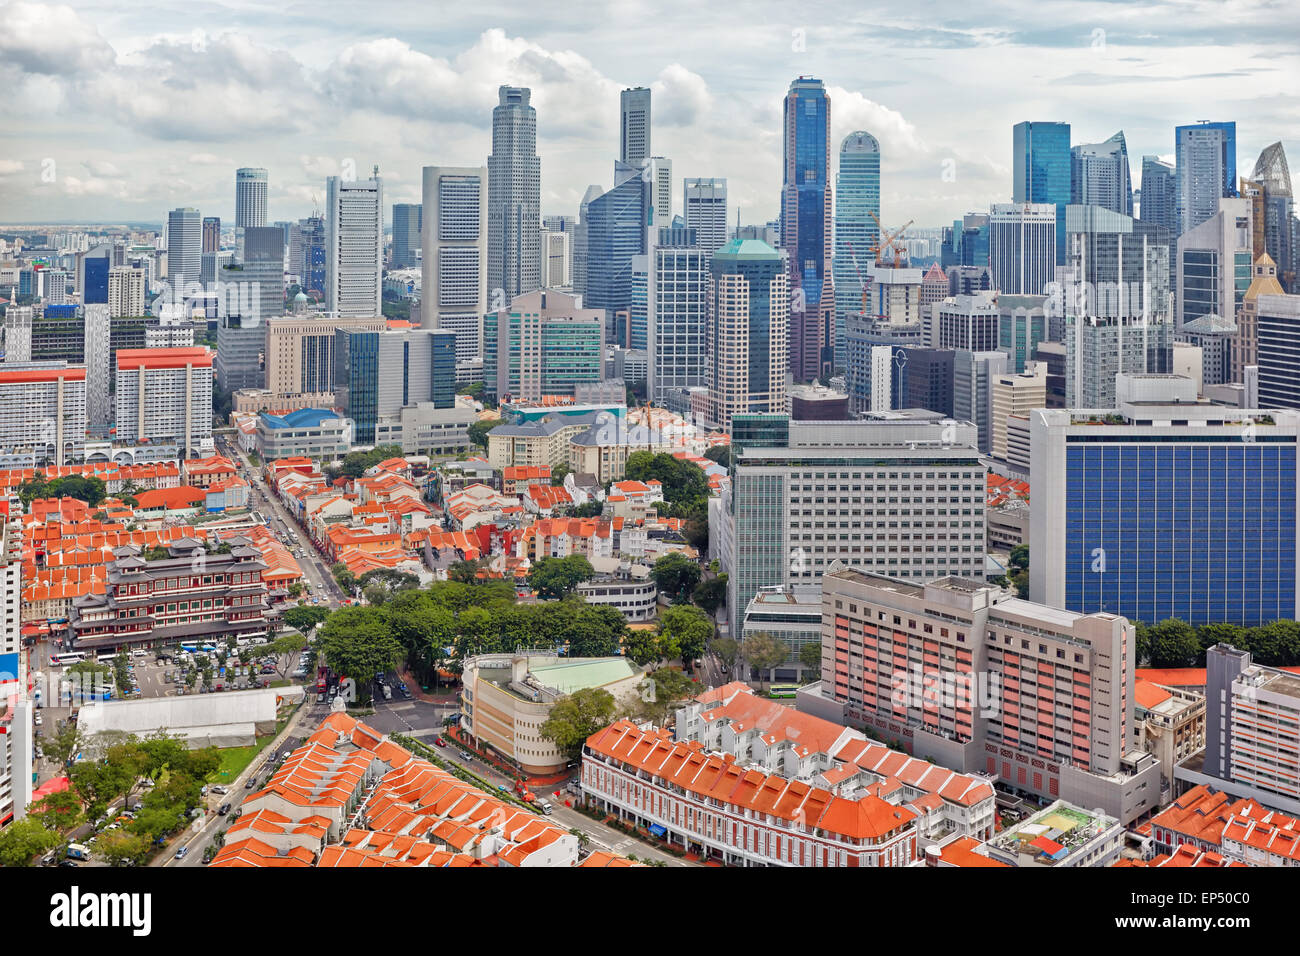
point(747, 249)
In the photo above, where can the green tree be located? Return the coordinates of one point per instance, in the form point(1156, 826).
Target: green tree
point(575, 717)
point(764, 652)
point(478, 431)
point(558, 474)
point(382, 583)
point(643, 647)
point(343, 576)
point(357, 643)
point(725, 649)
point(810, 656)
point(57, 811)
point(64, 745)
point(283, 648)
point(121, 846)
point(553, 578)
point(1173, 644)
point(23, 840)
point(463, 572)
point(1207, 635)
point(688, 629)
point(588, 509)
point(663, 689)
point(719, 453)
point(675, 574)
point(305, 618)
point(711, 594)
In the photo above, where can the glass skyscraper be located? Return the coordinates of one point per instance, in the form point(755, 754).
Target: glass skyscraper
point(1100, 175)
point(857, 197)
point(806, 228)
point(748, 312)
point(616, 231)
point(1159, 204)
point(1040, 156)
point(1205, 165)
point(514, 197)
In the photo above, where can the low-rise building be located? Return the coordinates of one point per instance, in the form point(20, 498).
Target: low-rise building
point(622, 585)
point(309, 432)
point(1061, 835)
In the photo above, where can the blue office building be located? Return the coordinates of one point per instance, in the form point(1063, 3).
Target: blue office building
point(616, 226)
point(1184, 511)
point(95, 273)
point(857, 200)
point(377, 374)
point(1040, 157)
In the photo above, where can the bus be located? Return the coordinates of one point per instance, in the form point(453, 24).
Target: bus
point(783, 691)
point(71, 657)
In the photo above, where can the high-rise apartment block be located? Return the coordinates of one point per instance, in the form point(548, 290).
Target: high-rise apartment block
point(164, 397)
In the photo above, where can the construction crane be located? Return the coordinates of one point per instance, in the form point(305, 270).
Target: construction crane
point(890, 241)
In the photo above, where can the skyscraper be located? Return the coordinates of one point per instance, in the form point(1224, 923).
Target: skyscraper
point(1277, 320)
point(407, 222)
point(580, 240)
point(1100, 175)
point(184, 247)
point(857, 197)
point(1212, 263)
point(1272, 174)
point(704, 206)
point(514, 198)
point(1022, 245)
point(1040, 157)
point(250, 197)
point(663, 191)
point(634, 126)
point(211, 234)
point(1159, 204)
point(542, 343)
point(677, 286)
point(354, 246)
point(454, 288)
point(748, 310)
point(1205, 165)
point(806, 228)
point(616, 230)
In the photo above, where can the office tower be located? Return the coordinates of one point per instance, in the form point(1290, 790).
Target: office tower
point(1205, 169)
point(1018, 394)
point(311, 267)
point(965, 322)
point(1159, 204)
point(408, 221)
point(1276, 322)
point(806, 495)
point(972, 386)
point(454, 284)
point(580, 240)
point(164, 397)
point(1040, 158)
point(1022, 246)
point(557, 252)
point(966, 243)
point(1040, 698)
point(543, 343)
point(925, 379)
point(704, 206)
point(1100, 175)
point(250, 198)
point(184, 248)
point(1158, 508)
point(875, 346)
point(514, 198)
point(300, 354)
point(857, 199)
point(212, 233)
point(1022, 324)
point(43, 416)
point(1116, 302)
point(1272, 174)
point(934, 289)
point(634, 126)
point(677, 314)
point(662, 191)
point(92, 278)
point(54, 287)
point(748, 312)
point(616, 230)
point(1213, 263)
point(262, 270)
point(1214, 336)
point(806, 228)
point(125, 291)
point(378, 374)
point(354, 246)
point(968, 280)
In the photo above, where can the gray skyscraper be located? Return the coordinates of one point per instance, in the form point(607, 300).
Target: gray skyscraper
point(514, 198)
point(857, 198)
point(1022, 246)
point(1159, 204)
point(1272, 174)
point(454, 287)
point(1100, 176)
point(634, 126)
point(407, 222)
point(250, 197)
point(1205, 164)
point(354, 246)
point(184, 247)
point(676, 274)
point(580, 241)
point(704, 205)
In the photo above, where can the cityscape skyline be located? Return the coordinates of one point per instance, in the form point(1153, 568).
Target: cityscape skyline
point(380, 90)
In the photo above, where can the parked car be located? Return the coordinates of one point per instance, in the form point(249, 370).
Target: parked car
point(224, 808)
point(252, 782)
point(180, 854)
point(221, 790)
point(438, 741)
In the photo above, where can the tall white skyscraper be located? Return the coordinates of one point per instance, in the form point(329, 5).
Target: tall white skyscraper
point(184, 247)
point(354, 246)
point(514, 197)
point(454, 289)
point(1100, 175)
point(676, 295)
point(663, 191)
point(634, 125)
point(704, 206)
point(250, 197)
point(1022, 246)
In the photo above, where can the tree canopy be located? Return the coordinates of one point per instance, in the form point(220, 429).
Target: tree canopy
point(555, 577)
point(575, 717)
point(676, 575)
point(686, 631)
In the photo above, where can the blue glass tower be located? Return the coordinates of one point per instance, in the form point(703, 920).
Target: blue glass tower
point(857, 197)
point(1040, 157)
point(96, 279)
point(616, 232)
point(806, 228)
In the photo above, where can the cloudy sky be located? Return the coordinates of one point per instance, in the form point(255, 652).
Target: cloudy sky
point(117, 112)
